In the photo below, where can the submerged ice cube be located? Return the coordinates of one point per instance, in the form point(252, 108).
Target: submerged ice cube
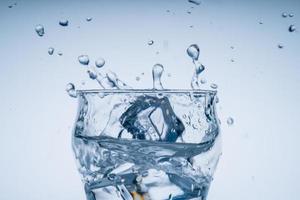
point(152, 118)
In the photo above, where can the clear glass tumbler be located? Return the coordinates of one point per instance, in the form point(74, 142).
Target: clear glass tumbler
point(146, 144)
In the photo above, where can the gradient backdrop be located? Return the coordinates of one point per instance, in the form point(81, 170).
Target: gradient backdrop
point(260, 89)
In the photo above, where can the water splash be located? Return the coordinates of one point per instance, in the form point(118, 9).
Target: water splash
point(83, 59)
point(193, 51)
point(292, 28)
point(100, 62)
point(59, 53)
point(64, 22)
point(157, 72)
point(40, 30)
point(50, 50)
point(70, 88)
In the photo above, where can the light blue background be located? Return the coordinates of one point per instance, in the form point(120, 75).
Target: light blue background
point(260, 89)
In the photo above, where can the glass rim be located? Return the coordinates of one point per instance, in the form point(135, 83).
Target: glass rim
point(147, 91)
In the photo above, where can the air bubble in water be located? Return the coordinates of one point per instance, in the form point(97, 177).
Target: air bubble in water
point(70, 88)
point(64, 22)
point(88, 19)
point(284, 14)
point(150, 42)
point(83, 59)
point(214, 86)
point(50, 50)
point(157, 72)
point(292, 28)
point(230, 121)
point(40, 30)
point(100, 62)
point(193, 51)
point(196, 2)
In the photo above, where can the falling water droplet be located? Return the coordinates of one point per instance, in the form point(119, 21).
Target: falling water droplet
point(137, 78)
point(196, 2)
point(292, 28)
point(260, 22)
point(189, 12)
point(232, 60)
point(40, 30)
point(83, 59)
point(50, 50)
point(230, 121)
point(59, 53)
point(291, 15)
point(280, 46)
point(70, 88)
point(157, 72)
point(150, 42)
point(193, 51)
point(284, 14)
point(64, 22)
point(88, 19)
point(100, 62)
point(214, 86)
point(169, 74)
point(92, 74)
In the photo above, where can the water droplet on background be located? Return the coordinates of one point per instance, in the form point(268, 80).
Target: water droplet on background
point(100, 62)
point(70, 88)
point(88, 19)
point(196, 2)
point(157, 72)
point(83, 59)
point(203, 81)
point(40, 30)
point(292, 28)
point(92, 74)
point(50, 50)
point(64, 22)
point(291, 15)
point(280, 46)
point(150, 42)
point(59, 53)
point(214, 86)
point(193, 51)
point(284, 14)
point(230, 121)
point(137, 78)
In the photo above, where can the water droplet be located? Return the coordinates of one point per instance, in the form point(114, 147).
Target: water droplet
point(291, 15)
point(92, 74)
point(203, 81)
point(280, 46)
point(157, 72)
point(189, 12)
point(39, 29)
point(137, 78)
point(230, 121)
point(70, 88)
point(88, 19)
point(167, 10)
point(232, 60)
point(169, 74)
point(59, 53)
point(193, 51)
point(196, 2)
point(232, 47)
point(100, 62)
point(64, 22)
point(214, 86)
point(50, 50)
point(83, 59)
point(150, 42)
point(292, 28)
point(260, 22)
point(10, 6)
point(111, 177)
point(191, 26)
point(284, 14)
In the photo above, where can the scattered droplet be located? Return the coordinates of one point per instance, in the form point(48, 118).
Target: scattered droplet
point(50, 50)
point(169, 74)
point(191, 26)
point(214, 86)
point(291, 15)
point(189, 12)
point(59, 53)
point(92, 74)
point(137, 78)
point(292, 28)
point(280, 46)
point(70, 88)
point(88, 19)
point(100, 62)
point(196, 2)
point(40, 30)
point(232, 47)
point(83, 59)
point(193, 51)
point(64, 22)
point(10, 6)
point(284, 14)
point(232, 60)
point(157, 72)
point(150, 42)
point(260, 22)
point(167, 10)
point(203, 81)
point(230, 121)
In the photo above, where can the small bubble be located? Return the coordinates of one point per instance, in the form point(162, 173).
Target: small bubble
point(280, 46)
point(292, 28)
point(64, 22)
point(230, 121)
point(193, 51)
point(59, 53)
point(291, 15)
point(39, 29)
point(100, 62)
point(196, 2)
point(284, 14)
point(203, 81)
point(70, 88)
point(50, 50)
point(83, 59)
point(150, 42)
point(137, 78)
point(214, 86)
point(88, 19)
